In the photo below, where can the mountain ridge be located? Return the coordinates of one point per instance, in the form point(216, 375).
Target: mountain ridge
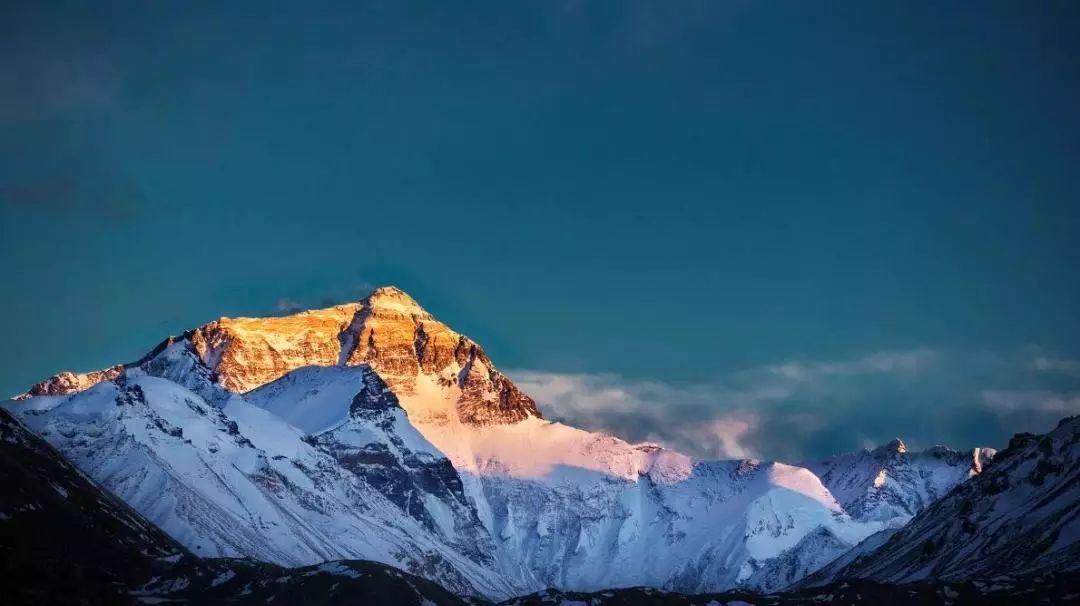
point(387, 329)
point(473, 487)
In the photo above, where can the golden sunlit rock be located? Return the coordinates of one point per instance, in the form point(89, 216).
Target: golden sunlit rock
point(387, 330)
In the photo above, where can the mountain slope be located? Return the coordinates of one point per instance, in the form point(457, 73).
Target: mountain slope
point(233, 581)
point(889, 483)
point(230, 479)
point(554, 501)
point(63, 539)
point(1020, 517)
point(387, 330)
point(1004, 592)
point(372, 430)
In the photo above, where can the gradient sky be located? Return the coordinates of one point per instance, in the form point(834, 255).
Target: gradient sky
point(670, 201)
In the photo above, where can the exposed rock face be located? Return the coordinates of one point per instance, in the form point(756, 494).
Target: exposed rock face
point(65, 540)
point(1021, 516)
point(402, 341)
point(388, 330)
point(377, 443)
point(66, 383)
point(226, 478)
point(248, 352)
point(373, 430)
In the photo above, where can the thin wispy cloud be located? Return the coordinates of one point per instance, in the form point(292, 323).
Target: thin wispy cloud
point(802, 409)
point(881, 362)
point(1058, 365)
point(287, 307)
point(1018, 401)
point(349, 292)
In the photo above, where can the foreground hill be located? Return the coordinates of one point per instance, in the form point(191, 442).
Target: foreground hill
point(63, 539)
point(1004, 591)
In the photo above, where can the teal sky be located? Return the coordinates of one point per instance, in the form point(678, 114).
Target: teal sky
point(677, 192)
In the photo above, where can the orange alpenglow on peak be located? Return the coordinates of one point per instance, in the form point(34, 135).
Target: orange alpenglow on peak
point(392, 298)
point(387, 330)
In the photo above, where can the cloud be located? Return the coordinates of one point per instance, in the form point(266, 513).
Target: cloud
point(352, 292)
point(652, 411)
point(288, 307)
point(1057, 365)
point(722, 438)
point(801, 409)
point(339, 294)
point(1012, 401)
point(877, 363)
point(681, 417)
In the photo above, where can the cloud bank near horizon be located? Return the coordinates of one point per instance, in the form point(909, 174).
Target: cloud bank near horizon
point(801, 409)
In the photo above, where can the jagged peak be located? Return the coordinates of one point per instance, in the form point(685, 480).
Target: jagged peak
point(390, 291)
point(384, 298)
point(393, 299)
point(386, 329)
point(896, 446)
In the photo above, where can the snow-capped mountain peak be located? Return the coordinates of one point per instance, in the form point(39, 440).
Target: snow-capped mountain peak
point(1020, 517)
point(891, 483)
point(450, 375)
point(393, 299)
point(373, 430)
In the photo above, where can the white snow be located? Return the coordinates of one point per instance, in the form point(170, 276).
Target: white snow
point(312, 398)
point(540, 503)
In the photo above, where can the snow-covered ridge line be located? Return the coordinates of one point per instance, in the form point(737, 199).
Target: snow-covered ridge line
point(387, 330)
point(1020, 517)
point(371, 430)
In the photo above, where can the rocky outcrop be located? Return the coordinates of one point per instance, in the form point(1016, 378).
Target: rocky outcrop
point(246, 353)
point(378, 444)
point(402, 341)
point(892, 483)
point(1020, 516)
point(66, 383)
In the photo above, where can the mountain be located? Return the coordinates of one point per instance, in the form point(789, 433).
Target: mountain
point(65, 540)
point(411, 351)
point(226, 478)
point(890, 483)
point(373, 431)
point(1020, 517)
